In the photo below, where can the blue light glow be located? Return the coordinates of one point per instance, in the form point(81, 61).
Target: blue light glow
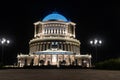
point(55, 16)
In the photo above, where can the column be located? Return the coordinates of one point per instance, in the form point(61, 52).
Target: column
point(44, 30)
point(68, 47)
point(57, 58)
point(63, 56)
point(71, 48)
point(52, 31)
point(48, 30)
point(77, 49)
point(46, 45)
point(38, 59)
point(60, 30)
point(90, 62)
point(35, 31)
point(33, 48)
point(37, 46)
point(63, 31)
point(43, 46)
point(74, 31)
point(50, 45)
point(58, 45)
point(66, 28)
point(69, 59)
point(51, 58)
point(65, 46)
point(40, 46)
point(57, 31)
point(62, 46)
point(45, 59)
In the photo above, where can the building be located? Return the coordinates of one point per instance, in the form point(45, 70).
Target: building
point(54, 43)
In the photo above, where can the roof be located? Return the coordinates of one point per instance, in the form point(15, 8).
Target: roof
point(54, 16)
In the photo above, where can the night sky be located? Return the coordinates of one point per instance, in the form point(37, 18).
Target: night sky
point(93, 19)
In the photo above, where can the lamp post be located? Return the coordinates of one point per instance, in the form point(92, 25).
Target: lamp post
point(96, 42)
point(3, 42)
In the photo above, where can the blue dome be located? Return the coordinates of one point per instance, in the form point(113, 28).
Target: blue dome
point(54, 16)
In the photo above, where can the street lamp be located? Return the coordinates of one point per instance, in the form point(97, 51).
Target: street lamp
point(3, 42)
point(96, 42)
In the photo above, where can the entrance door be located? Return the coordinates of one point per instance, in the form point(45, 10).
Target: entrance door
point(54, 59)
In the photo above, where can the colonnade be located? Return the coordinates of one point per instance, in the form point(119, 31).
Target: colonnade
point(54, 59)
point(59, 29)
point(54, 30)
point(42, 46)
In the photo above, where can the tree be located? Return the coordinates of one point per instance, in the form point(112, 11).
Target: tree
point(109, 64)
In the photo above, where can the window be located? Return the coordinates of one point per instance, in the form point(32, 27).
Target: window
point(54, 44)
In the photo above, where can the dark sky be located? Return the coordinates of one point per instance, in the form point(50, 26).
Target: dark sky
point(93, 18)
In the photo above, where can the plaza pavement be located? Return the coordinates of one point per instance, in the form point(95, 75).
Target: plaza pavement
point(58, 74)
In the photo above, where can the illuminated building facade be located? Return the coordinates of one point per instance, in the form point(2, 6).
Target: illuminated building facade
point(54, 43)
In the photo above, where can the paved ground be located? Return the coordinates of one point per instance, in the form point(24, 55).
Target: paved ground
point(58, 74)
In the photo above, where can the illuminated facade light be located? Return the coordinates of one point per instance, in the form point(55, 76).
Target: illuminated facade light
point(8, 41)
point(4, 41)
point(100, 41)
point(91, 42)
